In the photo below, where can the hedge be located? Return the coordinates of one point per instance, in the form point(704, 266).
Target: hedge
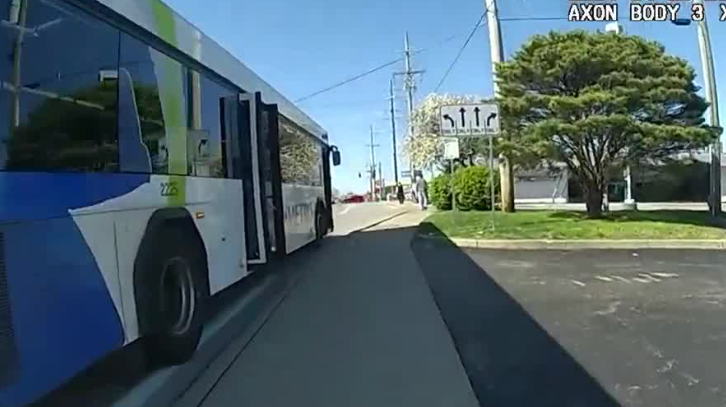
point(472, 189)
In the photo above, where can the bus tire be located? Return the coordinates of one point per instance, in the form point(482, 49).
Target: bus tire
point(320, 223)
point(176, 276)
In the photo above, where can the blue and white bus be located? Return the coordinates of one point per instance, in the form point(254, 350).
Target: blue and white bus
point(143, 169)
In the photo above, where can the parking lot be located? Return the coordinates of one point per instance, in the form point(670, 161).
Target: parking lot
point(584, 328)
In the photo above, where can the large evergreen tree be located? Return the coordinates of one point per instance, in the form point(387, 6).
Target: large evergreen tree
point(595, 101)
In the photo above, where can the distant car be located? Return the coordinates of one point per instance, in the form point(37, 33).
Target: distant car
point(354, 199)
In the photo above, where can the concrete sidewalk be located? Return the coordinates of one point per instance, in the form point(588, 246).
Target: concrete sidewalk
point(360, 328)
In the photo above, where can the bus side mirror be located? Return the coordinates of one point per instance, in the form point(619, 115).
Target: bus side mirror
point(336, 157)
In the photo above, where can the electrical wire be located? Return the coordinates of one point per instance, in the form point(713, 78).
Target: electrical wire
point(349, 80)
point(376, 69)
point(461, 51)
point(481, 23)
point(534, 19)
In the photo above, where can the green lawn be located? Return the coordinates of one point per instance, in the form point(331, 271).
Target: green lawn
point(574, 225)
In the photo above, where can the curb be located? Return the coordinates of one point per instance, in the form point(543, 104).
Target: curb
point(583, 244)
point(378, 222)
point(240, 319)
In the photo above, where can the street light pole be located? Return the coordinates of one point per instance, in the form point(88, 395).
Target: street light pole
point(709, 87)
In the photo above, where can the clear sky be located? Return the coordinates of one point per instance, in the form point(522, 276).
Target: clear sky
point(300, 47)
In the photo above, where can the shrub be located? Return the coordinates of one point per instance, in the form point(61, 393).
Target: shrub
point(440, 192)
point(472, 188)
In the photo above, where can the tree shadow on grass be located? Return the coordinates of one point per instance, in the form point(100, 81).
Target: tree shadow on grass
point(511, 360)
point(681, 217)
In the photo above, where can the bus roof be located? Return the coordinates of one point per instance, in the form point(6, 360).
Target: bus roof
point(163, 22)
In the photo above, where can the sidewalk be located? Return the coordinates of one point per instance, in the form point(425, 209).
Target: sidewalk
point(411, 218)
point(360, 329)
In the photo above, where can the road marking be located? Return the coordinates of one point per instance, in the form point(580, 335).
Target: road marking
point(690, 379)
point(642, 280)
point(665, 275)
point(602, 278)
point(649, 277)
point(580, 283)
point(347, 208)
point(611, 309)
point(667, 367)
point(623, 279)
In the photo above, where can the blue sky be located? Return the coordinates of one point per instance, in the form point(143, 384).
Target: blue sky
point(303, 46)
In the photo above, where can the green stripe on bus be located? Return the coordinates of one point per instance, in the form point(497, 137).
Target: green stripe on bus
point(171, 93)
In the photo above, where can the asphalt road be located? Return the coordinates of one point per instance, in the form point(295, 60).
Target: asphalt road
point(351, 217)
point(584, 328)
point(125, 380)
point(360, 328)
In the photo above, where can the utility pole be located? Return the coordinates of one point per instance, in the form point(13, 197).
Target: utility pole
point(372, 167)
point(709, 87)
point(497, 55)
point(393, 132)
point(381, 181)
point(409, 84)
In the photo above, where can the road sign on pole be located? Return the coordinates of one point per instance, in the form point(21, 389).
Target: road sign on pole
point(470, 120)
point(451, 148)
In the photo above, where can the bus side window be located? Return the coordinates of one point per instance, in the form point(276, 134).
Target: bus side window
point(58, 96)
point(133, 153)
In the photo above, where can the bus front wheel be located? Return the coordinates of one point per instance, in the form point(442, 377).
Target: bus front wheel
point(175, 275)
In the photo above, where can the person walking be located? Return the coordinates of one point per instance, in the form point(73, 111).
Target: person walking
point(399, 193)
point(421, 192)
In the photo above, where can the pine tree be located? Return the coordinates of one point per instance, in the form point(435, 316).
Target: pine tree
point(596, 101)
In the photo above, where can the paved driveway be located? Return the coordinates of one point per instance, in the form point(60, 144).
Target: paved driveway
point(585, 328)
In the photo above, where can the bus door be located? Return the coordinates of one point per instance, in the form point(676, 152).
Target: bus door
point(242, 161)
point(271, 178)
point(253, 156)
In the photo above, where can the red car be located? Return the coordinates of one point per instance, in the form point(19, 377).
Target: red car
point(354, 199)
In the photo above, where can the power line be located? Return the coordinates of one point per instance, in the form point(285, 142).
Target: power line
point(534, 19)
point(461, 51)
point(448, 39)
point(374, 70)
point(349, 80)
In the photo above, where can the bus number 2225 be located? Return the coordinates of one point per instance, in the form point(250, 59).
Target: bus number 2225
point(169, 189)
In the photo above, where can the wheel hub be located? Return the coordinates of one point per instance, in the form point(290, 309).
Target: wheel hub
point(177, 296)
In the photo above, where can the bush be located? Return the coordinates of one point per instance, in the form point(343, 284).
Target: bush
point(472, 188)
point(440, 192)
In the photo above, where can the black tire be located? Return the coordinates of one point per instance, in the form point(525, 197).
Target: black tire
point(319, 223)
point(174, 290)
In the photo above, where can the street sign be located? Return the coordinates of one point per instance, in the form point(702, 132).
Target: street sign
point(470, 120)
point(406, 174)
point(451, 148)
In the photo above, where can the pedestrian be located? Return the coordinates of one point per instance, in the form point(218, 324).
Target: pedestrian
point(421, 192)
point(399, 193)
